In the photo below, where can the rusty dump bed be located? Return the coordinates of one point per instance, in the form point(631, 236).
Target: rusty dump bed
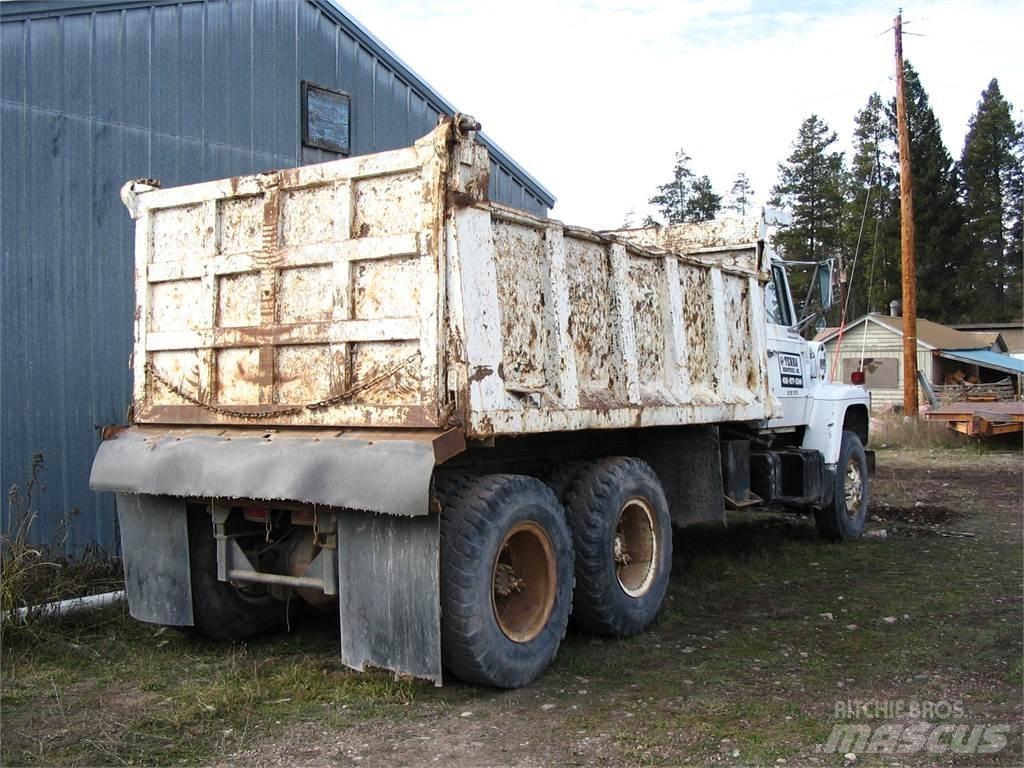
point(384, 291)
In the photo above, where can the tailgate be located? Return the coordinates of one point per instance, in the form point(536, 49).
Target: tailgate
point(307, 296)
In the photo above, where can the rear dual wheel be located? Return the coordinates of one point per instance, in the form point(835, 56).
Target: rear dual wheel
point(506, 578)
point(510, 553)
point(224, 610)
point(622, 535)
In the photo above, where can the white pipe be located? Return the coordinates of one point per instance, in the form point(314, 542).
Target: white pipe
point(65, 607)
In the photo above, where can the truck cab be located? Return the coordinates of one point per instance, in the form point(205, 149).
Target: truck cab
point(819, 419)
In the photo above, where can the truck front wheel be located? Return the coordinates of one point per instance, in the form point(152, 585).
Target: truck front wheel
point(843, 519)
point(622, 534)
point(506, 579)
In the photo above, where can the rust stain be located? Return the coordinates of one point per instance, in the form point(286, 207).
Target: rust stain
point(520, 266)
point(486, 428)
point(109, 432)
point(480, 373)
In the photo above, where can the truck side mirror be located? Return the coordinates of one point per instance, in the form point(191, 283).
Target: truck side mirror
point(825, 273)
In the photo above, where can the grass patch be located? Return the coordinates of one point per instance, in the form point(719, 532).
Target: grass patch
point(741, 667)
point(32, 574)
point(893, 430)
point(110, 689)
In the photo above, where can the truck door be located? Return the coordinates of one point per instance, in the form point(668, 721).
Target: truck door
point(789, 363)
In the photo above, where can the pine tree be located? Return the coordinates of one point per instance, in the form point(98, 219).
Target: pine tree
point(741, 196)
point(703, 204)
point(672, 198)
point(871, 218)
point(992, 166)
point(686, 198)
point(938, 217)
point(810, 186)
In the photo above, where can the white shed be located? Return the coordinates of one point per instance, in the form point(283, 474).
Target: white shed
point(874, 343)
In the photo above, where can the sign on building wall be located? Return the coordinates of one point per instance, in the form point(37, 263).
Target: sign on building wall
point(326, 119)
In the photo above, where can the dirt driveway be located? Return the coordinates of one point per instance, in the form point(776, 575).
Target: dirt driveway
point(770, 640)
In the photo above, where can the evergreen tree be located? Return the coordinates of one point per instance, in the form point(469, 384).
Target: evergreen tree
point(938, 217)
point(871, 218)
point(673, 198)
point(741, 196)
point(686, 198)
point(703, 204)
point(993, 187)
point(810, 186)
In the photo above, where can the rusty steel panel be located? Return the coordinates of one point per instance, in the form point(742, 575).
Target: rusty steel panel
point(590, 322)
point(561, 328)
point(385, 291)
point(301, 297)
point(519, 259)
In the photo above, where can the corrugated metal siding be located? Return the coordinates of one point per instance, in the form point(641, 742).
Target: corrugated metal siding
point(181, 92)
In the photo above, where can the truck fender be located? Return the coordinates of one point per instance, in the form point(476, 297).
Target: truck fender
point(829, 416)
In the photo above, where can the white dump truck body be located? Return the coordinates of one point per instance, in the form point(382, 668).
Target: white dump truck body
point(361, 383)
point(383, 291)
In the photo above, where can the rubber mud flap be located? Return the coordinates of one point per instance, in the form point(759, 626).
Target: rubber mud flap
point(154, 551)
point(388, 593)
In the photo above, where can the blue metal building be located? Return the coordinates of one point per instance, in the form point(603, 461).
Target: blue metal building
point(96, 93)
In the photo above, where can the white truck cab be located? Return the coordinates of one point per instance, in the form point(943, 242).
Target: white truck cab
point(824, 417)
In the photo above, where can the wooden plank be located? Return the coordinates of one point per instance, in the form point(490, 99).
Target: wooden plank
point(965, 410)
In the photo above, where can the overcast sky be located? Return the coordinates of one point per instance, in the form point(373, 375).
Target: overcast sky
point(594, 98)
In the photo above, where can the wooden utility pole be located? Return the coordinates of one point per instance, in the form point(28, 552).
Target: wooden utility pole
point(906, 238)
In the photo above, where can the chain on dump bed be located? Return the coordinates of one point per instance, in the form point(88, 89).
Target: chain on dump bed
point(292, 411)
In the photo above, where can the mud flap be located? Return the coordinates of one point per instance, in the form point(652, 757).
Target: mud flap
point(689, 464)
point(154, 547)
point(389, 593)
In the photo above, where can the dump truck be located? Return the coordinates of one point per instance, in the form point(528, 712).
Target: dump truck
point(364, 386)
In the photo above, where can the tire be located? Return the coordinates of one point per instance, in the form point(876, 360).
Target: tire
point(219, 609)
point(561, 478)
point(843, 518)
point(506, 579)
point(616, 505)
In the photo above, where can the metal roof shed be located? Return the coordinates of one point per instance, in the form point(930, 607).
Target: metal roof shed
point(986, 358)
point(95, 93)
point(876, 343)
